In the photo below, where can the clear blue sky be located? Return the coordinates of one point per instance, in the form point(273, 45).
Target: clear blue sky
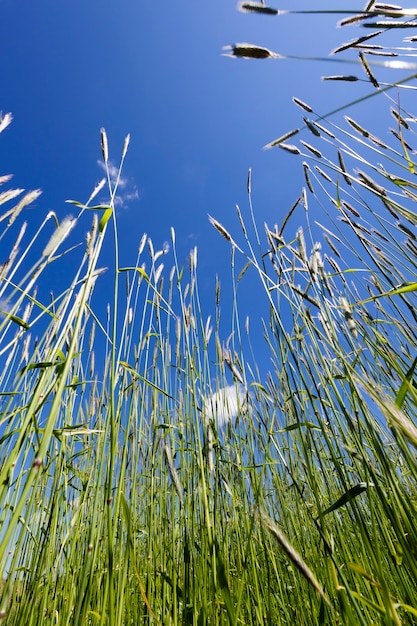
point(197, 120)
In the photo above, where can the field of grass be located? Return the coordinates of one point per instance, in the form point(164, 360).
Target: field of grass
point(130, 494)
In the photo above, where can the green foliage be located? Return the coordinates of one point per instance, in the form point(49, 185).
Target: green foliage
point(123, 497)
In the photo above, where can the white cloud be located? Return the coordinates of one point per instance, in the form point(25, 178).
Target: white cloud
point(127, 191)
point(225, 404)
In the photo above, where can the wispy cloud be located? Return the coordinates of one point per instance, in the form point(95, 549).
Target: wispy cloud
point(127, 190)
point(225, 404)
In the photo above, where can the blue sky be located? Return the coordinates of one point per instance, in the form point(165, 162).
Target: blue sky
point(197, 119)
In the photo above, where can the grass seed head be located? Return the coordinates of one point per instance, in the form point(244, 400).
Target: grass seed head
point(249, 51)
point(5, 120)
point(257, 7)
point(104, 145)
point(302, 105)
point(60, 234)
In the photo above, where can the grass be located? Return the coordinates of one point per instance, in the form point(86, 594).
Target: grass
point(127, 497)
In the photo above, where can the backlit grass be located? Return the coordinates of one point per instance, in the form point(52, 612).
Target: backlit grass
point(139, 486)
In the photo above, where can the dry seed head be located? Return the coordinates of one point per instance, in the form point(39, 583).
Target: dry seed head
point(104, 145)
point(151, 248)
point(5, 196)
point(349, 79)
point(178, 328)
point(158, 273)
point(357, 127)
point(343, 168)
point(386, 7)
point(189, 320)
point(193, 259)
point(381, 54)
point(27, 312)
point(250, 51)
point(332, 246)
point(391, 23)
point(327, 327)
point(370, 183)
point(126, 145)
point(287, 217)
point(411, 247)
point(322, 173)
point(289, 148)
point(271, 241)
point(379, 234)
point(401, 139)
point(311, 127)
point(350, 208)
point(352, 20)
point(369, 46)
point(347, 312)
point(316, 261)
point(368, 70)
point(25, 201)
point(242, 223)
point(5, 120)
point(15, 249)
point(302, 251)
point(257, 7)
point(172, 274)
point(307, 177)
point(389, 207)
point(173, 236)
point(222, 231)
point(158, 254)
point(228, 359)
point(5, 178)
point(92, 336)
point(344, 305)
point(399, 118)
point(354, 42)
point(378, 142)
point(312, 149)
point(97, 189)
point(406, 230)
point(4, 268)
point(302, 104)
point(91, 235)
point(142, 244)
point(304, 201)
point(274, 234)
point(335, 266)
point(25, 350)
point(60, 234)
point(276, 142)
point(208, 329)
point(324, 130)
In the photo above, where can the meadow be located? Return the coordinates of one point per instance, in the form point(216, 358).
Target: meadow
point(137, 486)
